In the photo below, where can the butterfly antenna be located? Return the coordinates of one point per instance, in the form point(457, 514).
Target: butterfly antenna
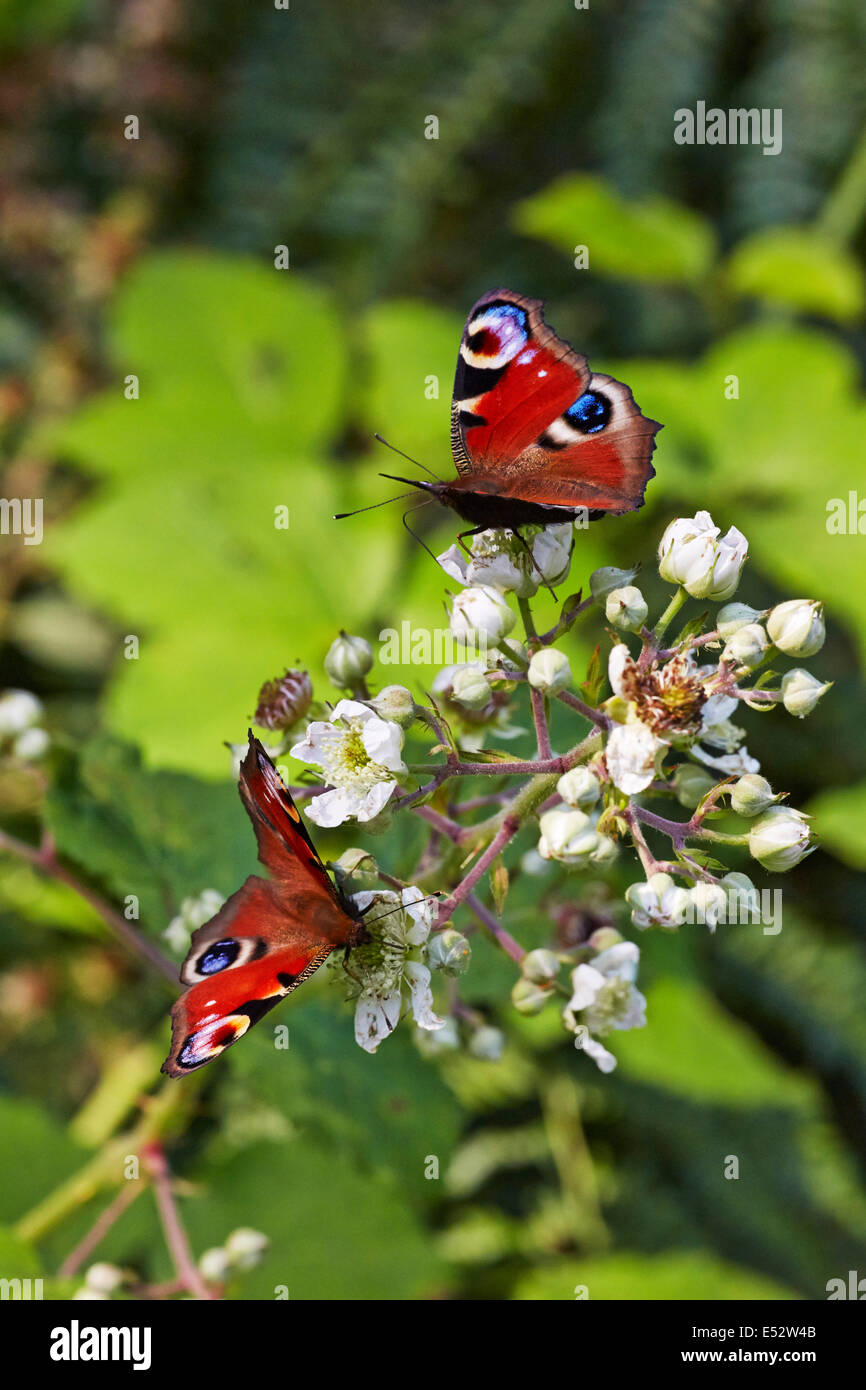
point(409, 459)
point(414, 534)
point(401, 497)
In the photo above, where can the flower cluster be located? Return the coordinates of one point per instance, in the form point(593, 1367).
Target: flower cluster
point(21, 733)
point(665, 724)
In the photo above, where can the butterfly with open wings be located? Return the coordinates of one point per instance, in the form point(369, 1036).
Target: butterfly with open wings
point(536, 436)
point(268, 937)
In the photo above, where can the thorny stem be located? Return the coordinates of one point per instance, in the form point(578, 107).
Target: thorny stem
point(175, 1235)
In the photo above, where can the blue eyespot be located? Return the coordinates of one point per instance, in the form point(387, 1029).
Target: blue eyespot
point(218, 957)
point(590, 412)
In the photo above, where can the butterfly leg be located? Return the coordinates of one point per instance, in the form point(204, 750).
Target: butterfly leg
point(475, 531)
point(522, 540)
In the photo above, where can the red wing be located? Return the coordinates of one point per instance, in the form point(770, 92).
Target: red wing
point(284, 843)
point(530, 422)
point(258, 948)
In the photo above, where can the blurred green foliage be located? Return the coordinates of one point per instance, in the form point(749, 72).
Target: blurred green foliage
point(260, 390)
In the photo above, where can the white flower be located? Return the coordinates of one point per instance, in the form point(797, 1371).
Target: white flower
point(657, 902)
point(780, 838)
point(387, 971)
point(709, 904)
point(630, 755)
point(800, 692)
point(567, 836)
point(245, 1247)
point(31, 745)
point(499, 560)
point(797, 627)
point(730, 764)
point(691, 554)
point(481, 613)
point(604, 998)
point(194, 912)
point(19, 710)
point(359, 754)
point(549, 671)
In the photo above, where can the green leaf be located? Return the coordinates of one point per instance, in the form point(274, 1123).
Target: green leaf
point(799, 268)
point(687, 1275)
point(840, 823)
point(652, 239)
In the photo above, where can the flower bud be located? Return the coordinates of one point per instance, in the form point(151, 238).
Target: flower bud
point(549, 671)
point(348, 661)
point(284, 701)
point(797, 627)
point(743, 901)
point(529, 997)
point(626, 608)
point(579, 787)
point(103, 1278)
point(800, 692)
point(779, 838)
point(603, 581)
point(734, 616)
point(658, 902)
point(245, 1247)
point(691, 784)
point(752, 794)
point(19, 710)
point(470, 688)
point(709, 904)
point(487, 1044)
point(692, 554)
point(605, 850)
point(566, 836)
point(603, 938)
point(748, 646)
point(481, 612)
point(31, 745)
point(214, 1265)
point(395, 702)
point(356, 869)
point(540, 966)
point(449, 951)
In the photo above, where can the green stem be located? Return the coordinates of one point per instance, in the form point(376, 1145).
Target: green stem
point(844, 209)
point(669, 614)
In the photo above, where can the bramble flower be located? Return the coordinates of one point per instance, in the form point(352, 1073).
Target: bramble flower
point(657, 902)
point(797, 627)
point(604, 998)
point(630, 756)
point(498, 559)
point(569, 837)
point(691, 554)
point(387, 972)
point(780, 838)
point(19, 710)
point(359, 755)
point(481, 614)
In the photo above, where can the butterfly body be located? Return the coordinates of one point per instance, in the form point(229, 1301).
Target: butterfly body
point(537, 436)
point(267, 937)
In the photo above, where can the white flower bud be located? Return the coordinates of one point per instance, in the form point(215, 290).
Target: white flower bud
point(567, 836)
point(579, 787)
point(529, 997)
point(31, 745)
point(748, 646)
point(709, 904)
point(603, 581)
point(800, 692)
point(658, 902)
point(691, 554)
point(779, 838)
point(245, 1247)
point(487, 1044)
point(626, 608)
point(481, 611)
point(691, 785)
point(348, 661)
point(449, 951)
point(743, 901)
point(752, 794)
point(605, 850)
point(470, 688)
point(734, 616)
point(214, 1264)
point(395, 702)
point(603, 938)
point(549, 671)
point(103, 1278)
point(541, 966)
point(19, 710)
point(797, 626)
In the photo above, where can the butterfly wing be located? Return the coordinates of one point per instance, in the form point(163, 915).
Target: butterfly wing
point(529, 421)
point(266, 939)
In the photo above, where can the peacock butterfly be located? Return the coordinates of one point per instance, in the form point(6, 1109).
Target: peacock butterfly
point(536, 436)
point(267, 937)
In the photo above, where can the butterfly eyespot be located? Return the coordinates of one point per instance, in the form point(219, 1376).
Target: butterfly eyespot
point(218, 957)
point(590, 412)
point(211, 1040)
point(493, 339)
